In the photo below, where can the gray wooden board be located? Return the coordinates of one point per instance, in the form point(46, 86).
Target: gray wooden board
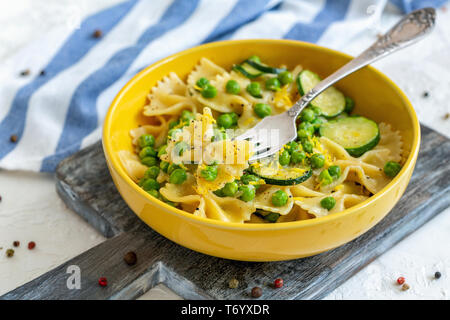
point(85, 185)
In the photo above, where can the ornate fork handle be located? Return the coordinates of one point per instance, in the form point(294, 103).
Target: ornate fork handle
point(407, 31)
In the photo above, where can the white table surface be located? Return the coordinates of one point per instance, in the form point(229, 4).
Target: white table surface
point(30, 209)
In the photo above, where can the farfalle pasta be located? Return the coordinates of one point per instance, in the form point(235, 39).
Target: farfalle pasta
point(186, 155)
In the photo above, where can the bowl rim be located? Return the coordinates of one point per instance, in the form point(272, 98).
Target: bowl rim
point(114, 161)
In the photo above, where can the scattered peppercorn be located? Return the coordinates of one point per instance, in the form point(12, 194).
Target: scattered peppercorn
point(42, 73)
point(437, 275)
point(103, 282)
point(233, 283)
point(401, 280)
point(278, 283)
point(97, 33)
point(130, 258)
point(31, 245)
point(256, 292)
point(13, 138)
point(16, 243)
point(446, 116)
point(425, 94)
point(25, 72)
point(9, 253)
point(405, 287)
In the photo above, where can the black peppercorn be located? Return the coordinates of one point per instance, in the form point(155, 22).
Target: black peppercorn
point(256, 292)
point(437, 274)
point(130, 258)
point(97, 33)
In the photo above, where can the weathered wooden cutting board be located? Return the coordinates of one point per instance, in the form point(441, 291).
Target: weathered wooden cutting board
point(85, 185)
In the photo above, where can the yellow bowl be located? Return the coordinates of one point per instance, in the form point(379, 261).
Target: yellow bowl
point(375, 96)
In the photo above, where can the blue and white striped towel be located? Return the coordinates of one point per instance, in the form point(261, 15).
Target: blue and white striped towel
point(61, 111)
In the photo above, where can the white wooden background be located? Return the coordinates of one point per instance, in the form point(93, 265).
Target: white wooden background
point(31, 210)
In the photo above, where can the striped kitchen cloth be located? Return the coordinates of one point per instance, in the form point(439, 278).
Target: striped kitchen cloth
point(50, 114)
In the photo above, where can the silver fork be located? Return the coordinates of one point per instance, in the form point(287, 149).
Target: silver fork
point(407, 31)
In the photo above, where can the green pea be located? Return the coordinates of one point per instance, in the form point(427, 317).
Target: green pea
point(298, 156)
point(317, 160)
point(262, 110)
point(291, 146)
point(187, 116)
point(178, 176)
point(154, 193)
point(202, 82)
point(307, 145)
point(317, 122)
point(150, 184)
point(349, 105)
point(146, 140)
point(164, 165)
point(307, 115)
point(279, 198)
point(147, 152)
point(247, 178)
point(255, 58)
point(317, 111)
point(285, 77)
point(230, 189)
point(173, 123)
point(303, 134)
point(335, 171)
point(254, 89)
point(181, 146)
point(307, 127)
point(162, 150)
point(149, 161)
point(152, 172)
point(284, 158)
point(172, 167)
point(173, 132)
point(235, 117)
point(328, 203)
point(273, 84)
point(248, 192)
point(233, 87)
point(209, 91)
point(209, 173)
point(218, 135)
point(272, 217)
point(325, 178)
point(392, 168)
point(225, 121)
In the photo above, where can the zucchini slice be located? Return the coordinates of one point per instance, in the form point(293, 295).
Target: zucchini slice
point(355, 133)
point(331, 102)
point(263, 67)
point(274, 174)
point(247, 70)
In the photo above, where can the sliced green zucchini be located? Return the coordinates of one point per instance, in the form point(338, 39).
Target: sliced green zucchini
point(263, 67)
point(331, 102)
point(247, 70)
point(355, 133)
point(275, 174)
